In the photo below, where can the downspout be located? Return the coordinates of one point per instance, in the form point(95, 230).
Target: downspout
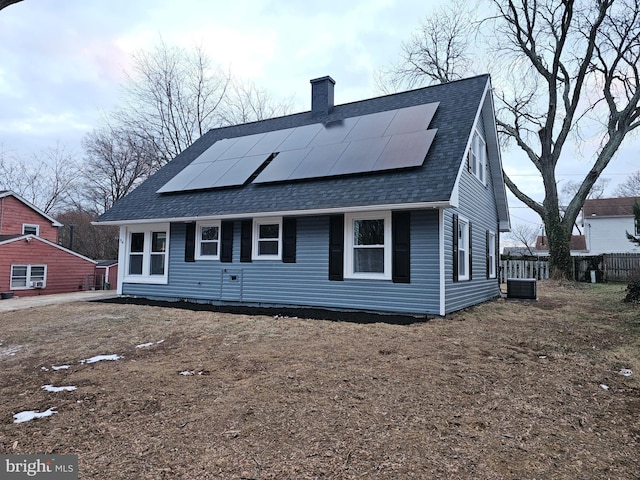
point(1, 213)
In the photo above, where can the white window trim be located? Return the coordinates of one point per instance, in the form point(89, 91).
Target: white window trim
point(26, 225)
point(478, 157)
point(28, 279)
point(349, 219)
point(198, 253)
point(492, 254)
point(146, 255)
point(256, 238)
point(464, 221)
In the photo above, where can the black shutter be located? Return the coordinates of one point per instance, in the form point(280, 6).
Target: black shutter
point(190, 243)
point(226, 237)
point(336, 247)
point(245, 240)
point(289, 227)
point(497, 255)
point(401, 244)
point(488, 254)
point(455, 247)
point(470, 253)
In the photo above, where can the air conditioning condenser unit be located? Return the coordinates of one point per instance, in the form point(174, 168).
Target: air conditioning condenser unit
point(523, 288)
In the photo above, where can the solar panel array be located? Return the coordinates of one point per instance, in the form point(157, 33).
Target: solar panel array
point(387, 140)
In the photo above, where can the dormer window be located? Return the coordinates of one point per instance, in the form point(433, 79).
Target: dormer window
point(28, 229)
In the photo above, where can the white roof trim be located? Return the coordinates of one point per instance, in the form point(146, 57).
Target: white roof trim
point(9, 193)
point(286, 213)
point(40, 239)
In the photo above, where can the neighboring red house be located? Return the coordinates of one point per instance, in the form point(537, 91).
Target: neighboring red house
point(31, 261)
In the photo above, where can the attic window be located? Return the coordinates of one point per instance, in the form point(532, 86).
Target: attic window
point(28, 229)
point(478, 157)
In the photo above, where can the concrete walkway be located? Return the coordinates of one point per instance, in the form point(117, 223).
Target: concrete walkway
point(12, 304)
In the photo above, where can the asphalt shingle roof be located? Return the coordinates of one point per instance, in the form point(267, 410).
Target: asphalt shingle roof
point(432, 182)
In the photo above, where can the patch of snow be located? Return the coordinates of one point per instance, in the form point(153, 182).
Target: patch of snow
point(604, 387)
point(51, 388)
point(31, 414)
point(626, 372)
point(542, 357)
point(148, 344)
point(44, 368)
point(60, 367)
point(99, 358)
point(186, 372)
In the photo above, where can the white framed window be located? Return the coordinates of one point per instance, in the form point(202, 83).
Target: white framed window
point(207, 240)
point(267, 238)
point(24, 277)
point(463, 249)
point(146, 259)
point(29, 229)
point(491, 248)
point(368, 245)
point(478, 157)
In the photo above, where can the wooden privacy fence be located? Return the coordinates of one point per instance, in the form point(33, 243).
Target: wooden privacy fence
point(612, 267)
point(511, 268)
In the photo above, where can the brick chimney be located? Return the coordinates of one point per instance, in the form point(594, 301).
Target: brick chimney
point(322, 96)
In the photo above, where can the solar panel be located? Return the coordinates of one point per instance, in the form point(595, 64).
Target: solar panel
point(318, 162)
point(412, 119)
point(386, 140)
point(405, 150)
point(360, 156)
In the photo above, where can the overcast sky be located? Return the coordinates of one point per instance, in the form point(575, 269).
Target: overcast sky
point(62, 62)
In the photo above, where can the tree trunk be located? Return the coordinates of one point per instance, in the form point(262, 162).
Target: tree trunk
point(557, 233)
point(559, 238)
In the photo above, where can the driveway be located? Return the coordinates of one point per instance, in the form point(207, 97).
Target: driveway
point(12, 304)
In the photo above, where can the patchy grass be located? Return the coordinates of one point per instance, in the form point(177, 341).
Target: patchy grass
point(504, 390)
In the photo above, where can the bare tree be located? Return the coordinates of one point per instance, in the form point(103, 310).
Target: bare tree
point(440, 51)
point(598, 190)
point(6, 3)
point(98, 242)
point(245, 102)
point(172, 98)
point(630, 187)
point(524, 235)
point(49, 180)
point(116, 161)
point(565, 66)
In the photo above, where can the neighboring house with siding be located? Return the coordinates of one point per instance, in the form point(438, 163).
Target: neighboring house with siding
point(391, 204)
point(605, 222)
point(31, 261)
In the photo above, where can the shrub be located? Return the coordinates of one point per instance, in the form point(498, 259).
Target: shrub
point(633, 291)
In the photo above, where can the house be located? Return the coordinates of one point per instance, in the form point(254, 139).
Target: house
point(577, 245)
point(391, 204)
point(606, 221)
point(31, 261)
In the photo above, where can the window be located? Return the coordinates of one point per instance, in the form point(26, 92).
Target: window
point(28, 276)
point(478, 157)
point(267, 238)
point(28, 229)
point(147, 254)
point(368, 245)
point(463, 249)
point(491, 254)
point(208, 241)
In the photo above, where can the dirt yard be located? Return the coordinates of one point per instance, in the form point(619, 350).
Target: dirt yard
point(505, 390)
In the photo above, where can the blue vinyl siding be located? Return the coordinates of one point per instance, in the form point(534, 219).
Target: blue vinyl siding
point(477, 204)
point(304, 283)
